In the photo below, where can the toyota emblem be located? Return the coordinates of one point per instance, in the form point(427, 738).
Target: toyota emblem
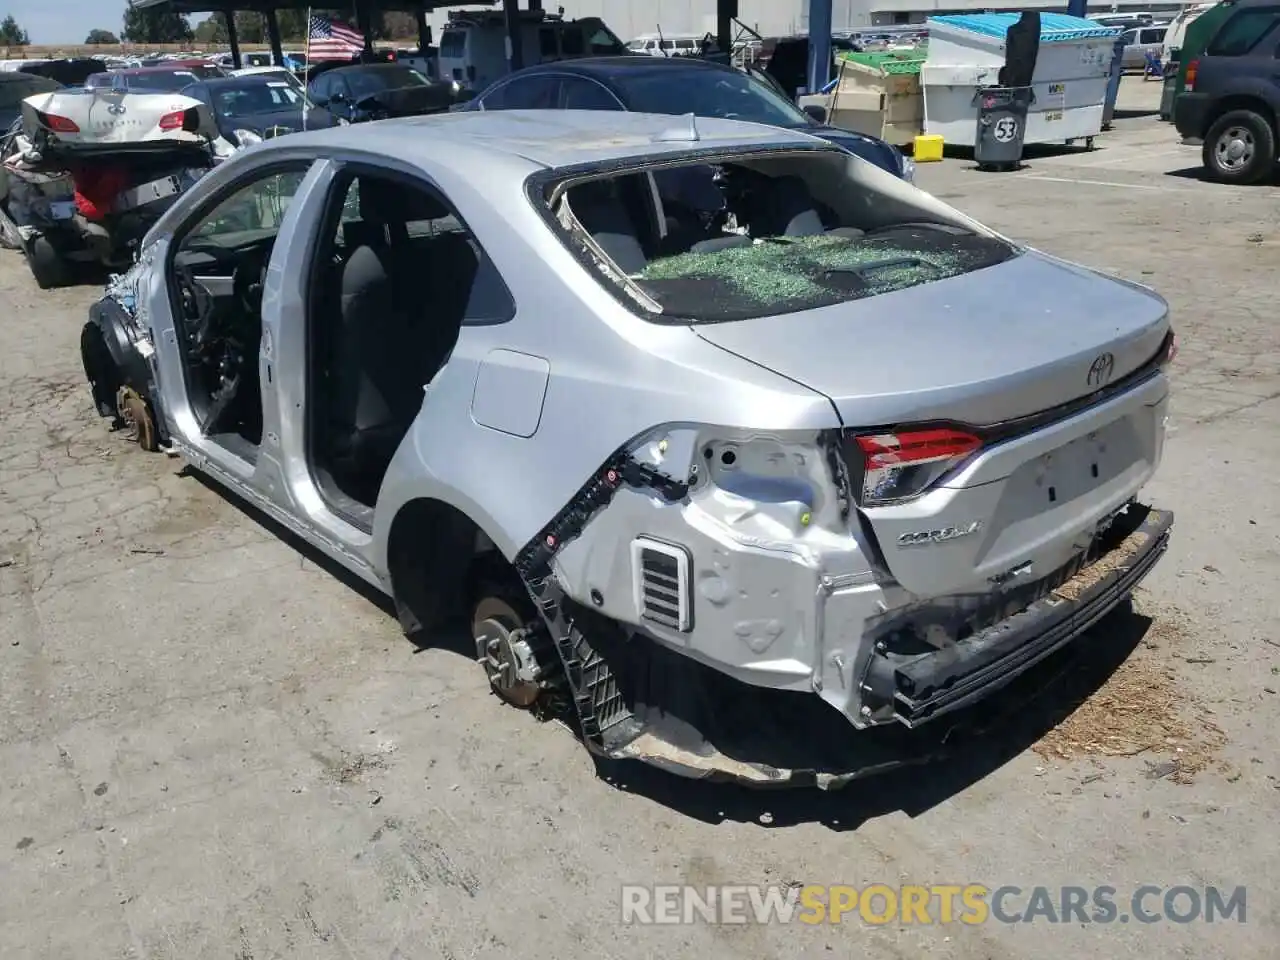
point(1101, 369)
point(116, 109)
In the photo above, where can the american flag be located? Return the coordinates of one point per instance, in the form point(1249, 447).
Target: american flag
point(332, 40)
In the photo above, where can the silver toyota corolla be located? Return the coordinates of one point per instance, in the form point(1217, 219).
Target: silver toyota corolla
point(704, 428)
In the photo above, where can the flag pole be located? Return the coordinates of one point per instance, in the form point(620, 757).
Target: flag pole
point(306, 69)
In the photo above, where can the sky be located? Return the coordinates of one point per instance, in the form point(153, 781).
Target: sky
point(67, 21)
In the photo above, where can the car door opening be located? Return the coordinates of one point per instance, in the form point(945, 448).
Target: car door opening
point(392, 280)
point(216, 284)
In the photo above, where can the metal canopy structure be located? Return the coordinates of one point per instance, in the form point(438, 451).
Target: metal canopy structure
point(726, 12)
point(363, 9)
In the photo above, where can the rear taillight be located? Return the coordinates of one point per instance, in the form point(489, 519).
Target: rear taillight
point(899, 466)
point(173, 121)
point(1190, 85)
point(1170, 350)
point(59, 124)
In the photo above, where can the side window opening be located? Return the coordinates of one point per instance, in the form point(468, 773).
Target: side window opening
point(453, 44)
point(547, 46)
point(763, 236)
point(581, 94)
point(396, 279)
point(572, 42)
point(1243, 32)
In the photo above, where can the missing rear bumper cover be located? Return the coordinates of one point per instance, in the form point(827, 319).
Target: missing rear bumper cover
point(692, 721)
point(923, 686)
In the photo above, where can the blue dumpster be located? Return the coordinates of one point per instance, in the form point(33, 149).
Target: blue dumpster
point(1113, 83)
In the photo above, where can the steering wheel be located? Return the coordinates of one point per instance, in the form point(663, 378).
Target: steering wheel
point(197, 308)
point(249, 279)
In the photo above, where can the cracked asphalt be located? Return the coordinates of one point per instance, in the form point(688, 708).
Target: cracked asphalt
point(212, 747)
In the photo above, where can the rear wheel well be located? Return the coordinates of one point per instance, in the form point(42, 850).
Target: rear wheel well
point(432, 554)
point(1240, 101)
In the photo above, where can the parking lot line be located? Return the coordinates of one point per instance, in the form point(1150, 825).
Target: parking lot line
point(1141, 155)
point(1109, 183)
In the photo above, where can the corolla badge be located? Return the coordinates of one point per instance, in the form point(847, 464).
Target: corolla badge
point(919, 538)
point(1104, 364)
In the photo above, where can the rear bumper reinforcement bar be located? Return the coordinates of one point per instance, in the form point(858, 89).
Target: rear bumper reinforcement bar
point(936, 683)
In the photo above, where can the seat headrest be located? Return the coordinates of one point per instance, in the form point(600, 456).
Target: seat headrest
point(383, 201)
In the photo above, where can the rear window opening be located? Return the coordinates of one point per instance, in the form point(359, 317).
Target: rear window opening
point(737, 237)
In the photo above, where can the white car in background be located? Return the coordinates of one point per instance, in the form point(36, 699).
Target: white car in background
point(271, 73)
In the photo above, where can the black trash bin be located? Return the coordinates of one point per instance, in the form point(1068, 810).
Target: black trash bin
point(1002, 127)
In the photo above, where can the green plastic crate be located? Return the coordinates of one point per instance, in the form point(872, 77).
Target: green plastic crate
point(891, 62)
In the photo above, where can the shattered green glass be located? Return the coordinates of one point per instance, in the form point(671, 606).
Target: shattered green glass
point(785, 274)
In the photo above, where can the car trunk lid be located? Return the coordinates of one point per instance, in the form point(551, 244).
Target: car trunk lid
point(996, 344)
point(1043, 362)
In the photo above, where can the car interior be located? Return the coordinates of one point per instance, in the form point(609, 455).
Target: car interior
point(764, 235)
point(637, 218)
point(219, 269)
point(389, 293)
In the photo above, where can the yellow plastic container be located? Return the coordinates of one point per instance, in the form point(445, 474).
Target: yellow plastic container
point(927, 148)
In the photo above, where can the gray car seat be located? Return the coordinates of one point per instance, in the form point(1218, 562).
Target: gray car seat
point(785, 209)
point(602, 214)
point(386, 337)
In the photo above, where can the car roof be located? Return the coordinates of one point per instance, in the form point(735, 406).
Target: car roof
point(351, 67)
point(178, 66)
point(517, 142)
point(612, 66)
point(239, 80)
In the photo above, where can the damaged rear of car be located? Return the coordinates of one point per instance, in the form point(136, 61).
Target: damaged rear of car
point(90, 171)
point(969, 508)
point(773, 463)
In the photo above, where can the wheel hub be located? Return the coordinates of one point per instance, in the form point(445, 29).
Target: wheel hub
point(508, 660)
point(133, 411)
point(1235, 147)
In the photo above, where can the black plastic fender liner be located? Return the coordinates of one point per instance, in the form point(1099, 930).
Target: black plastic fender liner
point(111, 326)
point(100, 369)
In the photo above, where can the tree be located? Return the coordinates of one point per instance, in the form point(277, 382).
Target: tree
point(12, 35)
point(154, 25)
point(212, 31)
point(293, 24)
point(398, 26)
point(101, 36)
point(250, 27)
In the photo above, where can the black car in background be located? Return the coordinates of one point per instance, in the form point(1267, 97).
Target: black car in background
point(70, 72)
point(16, 87)
point(1232, 96)
point(262, 105)
point(674, 85)
point(375, 91)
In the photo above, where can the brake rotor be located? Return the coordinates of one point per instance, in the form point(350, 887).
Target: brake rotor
point(134, 411)
point(504, 651)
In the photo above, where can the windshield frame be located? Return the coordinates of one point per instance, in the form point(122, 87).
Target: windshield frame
point(623, 78)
